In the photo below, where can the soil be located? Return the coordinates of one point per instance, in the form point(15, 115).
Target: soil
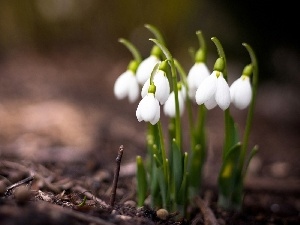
point(60, 133)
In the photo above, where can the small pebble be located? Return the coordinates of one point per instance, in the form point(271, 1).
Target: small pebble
point(162, 214)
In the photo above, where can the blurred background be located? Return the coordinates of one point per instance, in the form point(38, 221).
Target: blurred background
point(53, 25)
point(59, 60)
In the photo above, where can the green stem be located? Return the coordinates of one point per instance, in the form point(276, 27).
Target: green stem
point(226, 112)
point(156, 33)
point(221, 54)
point(136, 54)
point(187, 100)
point(163, 149)
point(182, 73)
point(175, 88)
point(252, 105)
point(201, 119)
point(201, 40)
point(154, 71)
point(183, 76)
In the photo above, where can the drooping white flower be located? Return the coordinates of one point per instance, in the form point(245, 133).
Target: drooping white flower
point(148, 109)
point(145, 68)
point(161, 82)
point(170, 107)
point(126, 85)
point(196, 75)
point(241, 92)
point(213, 91)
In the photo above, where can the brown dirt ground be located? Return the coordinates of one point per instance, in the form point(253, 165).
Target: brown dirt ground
point(61, 124)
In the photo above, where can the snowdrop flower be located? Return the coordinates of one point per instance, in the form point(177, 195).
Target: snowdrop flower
point(146, 66)
point(148, 108)
point(161, 83)
point(214, 90)
point(126, 84)
point(196, 75)
point(170, 107)
point(241, 92)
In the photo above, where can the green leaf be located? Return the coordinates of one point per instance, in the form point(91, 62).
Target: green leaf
point(252, 153)
point(157, 161)
point(141, 181)
point(195, 171)
point(182, 198)
point(231, 134)
point(177, 166)
point(162, 182)
point(227, 176)
point(154, 187)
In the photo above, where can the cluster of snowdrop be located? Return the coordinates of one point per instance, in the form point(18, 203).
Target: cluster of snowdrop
point(210, 89)
point(156, 81)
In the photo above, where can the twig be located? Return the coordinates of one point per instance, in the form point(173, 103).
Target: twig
point(21, 182)
point(36, 174)
point(116, 176)
point(90, 196)
point(208, 215)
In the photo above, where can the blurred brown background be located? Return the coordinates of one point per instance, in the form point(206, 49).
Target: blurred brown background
point(60, 58)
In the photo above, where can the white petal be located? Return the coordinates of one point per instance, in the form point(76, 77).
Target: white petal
point(138, 113)
point(210, 103)
point(133, 92)
point(222, 94)
point(196, 75)
point(121, 85)
point(145, 68)
point(206, 89)
point(157, 115)
point(181, 104)
point(170, 108)
point(145, 88)
point(232, 89)
point(148, 109)
point(193, 73)
point(243, 93)
point(162, 85)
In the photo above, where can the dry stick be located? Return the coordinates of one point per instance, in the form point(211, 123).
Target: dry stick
point(90, 196)
point(208, 215)
point(21, 182)
point(116, 176)
point(49, 185)
point(36, 174)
